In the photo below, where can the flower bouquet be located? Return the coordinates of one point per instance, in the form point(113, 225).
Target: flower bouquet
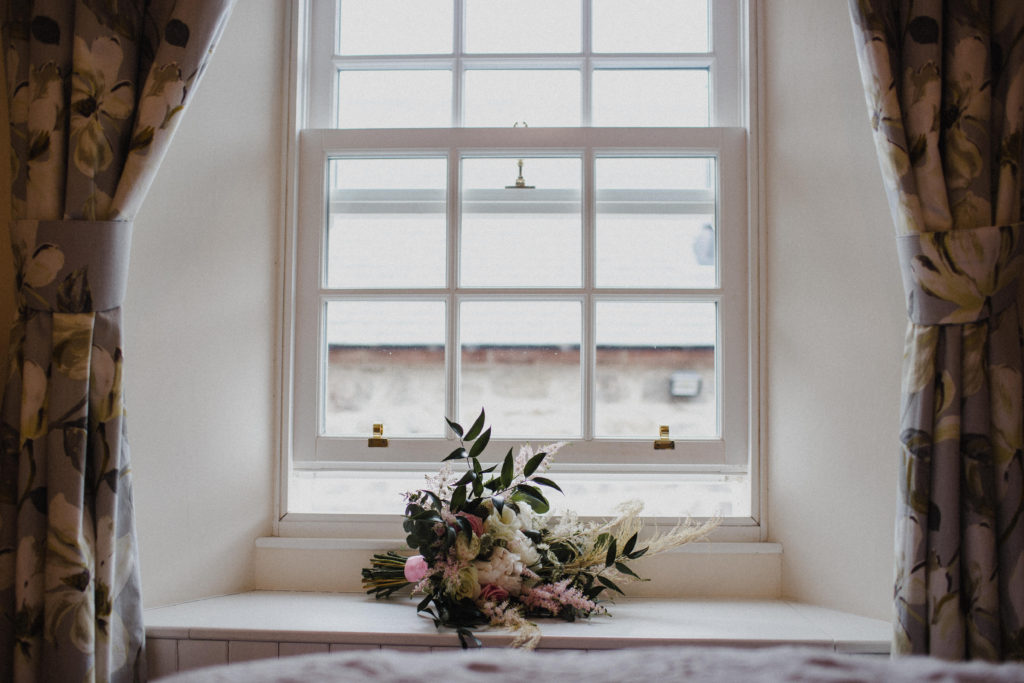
point(489, 554)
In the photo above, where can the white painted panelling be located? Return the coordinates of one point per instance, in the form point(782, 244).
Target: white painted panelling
point(345, 647)
point(244, 651)
point(194, 654)
point(161, 656)
point(293, 649)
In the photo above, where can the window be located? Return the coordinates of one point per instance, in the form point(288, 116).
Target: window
point(539, 208)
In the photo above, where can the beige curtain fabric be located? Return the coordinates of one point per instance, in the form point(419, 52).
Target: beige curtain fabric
point(945, 90)
point(95, 90)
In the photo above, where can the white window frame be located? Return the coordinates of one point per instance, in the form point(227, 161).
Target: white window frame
point(308, 150)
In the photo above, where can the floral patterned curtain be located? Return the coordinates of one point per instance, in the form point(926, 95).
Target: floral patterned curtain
point(945, 91)
point(95, 90)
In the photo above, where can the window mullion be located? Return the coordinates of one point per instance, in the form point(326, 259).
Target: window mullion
point(588, 352)
point(452, 344)
point(587, 69)
point(459, 67)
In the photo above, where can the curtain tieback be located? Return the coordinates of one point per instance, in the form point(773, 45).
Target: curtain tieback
point(957, 277)
point(71, 266)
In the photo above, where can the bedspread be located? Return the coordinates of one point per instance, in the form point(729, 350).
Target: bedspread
point(774, 665)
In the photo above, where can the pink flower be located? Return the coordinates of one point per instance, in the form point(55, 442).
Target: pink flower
point(493, 593)
point(415, 568)
point(474, 521)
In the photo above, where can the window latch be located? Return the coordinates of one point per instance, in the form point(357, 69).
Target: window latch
point(664, 442)
point(377, 440)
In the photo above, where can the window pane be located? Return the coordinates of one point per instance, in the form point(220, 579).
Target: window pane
point(521, 361)
point(385, 363)
point(521, 236)
point(655, 222)
point(386, 27)
point(650, 26)
point(651, 97)
point(540, 97)
point(394, 99)
point(523, 26)
point(386, 223)
point(656, 366)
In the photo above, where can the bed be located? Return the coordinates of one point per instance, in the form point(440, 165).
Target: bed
point(775, 665)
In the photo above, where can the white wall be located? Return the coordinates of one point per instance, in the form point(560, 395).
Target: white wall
point(835, 316)
point(201, 323)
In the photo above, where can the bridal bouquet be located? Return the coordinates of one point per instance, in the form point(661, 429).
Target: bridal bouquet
point(489, 554)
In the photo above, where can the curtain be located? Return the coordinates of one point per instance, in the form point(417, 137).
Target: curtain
point(95, 90)
point(944, 83)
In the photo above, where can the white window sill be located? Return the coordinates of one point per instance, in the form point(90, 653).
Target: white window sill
point(265, 624)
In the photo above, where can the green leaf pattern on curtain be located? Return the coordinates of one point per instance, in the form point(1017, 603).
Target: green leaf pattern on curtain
point(95, 89)
point(944, 84)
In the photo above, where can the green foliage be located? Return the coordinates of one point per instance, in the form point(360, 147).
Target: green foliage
point(435, 520)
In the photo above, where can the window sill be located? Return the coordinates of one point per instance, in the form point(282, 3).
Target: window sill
point(273, 623)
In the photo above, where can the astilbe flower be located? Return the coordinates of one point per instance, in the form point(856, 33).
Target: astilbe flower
point(553, 597)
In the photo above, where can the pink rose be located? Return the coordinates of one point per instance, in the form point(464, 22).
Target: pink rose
point(415, 568)
point(474, 521)
point(493, 593)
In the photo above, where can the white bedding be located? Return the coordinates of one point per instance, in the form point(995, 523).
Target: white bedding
point(774, 665)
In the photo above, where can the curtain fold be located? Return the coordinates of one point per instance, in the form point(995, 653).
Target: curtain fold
point(95, 91)
point(944, 83)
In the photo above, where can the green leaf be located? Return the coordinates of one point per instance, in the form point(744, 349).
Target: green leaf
point(458, 498)
point(609, 559)
point(544, 481)
point(480, 444)
point(499, 503)
point(530, 490)
point(508, 470)
point(628, 548)
point(457, 454)
point(477, 426)
point(455, 427)
point(435, 502)
point(608, 583)
point(539, 505)
point(626, 570)
point(533, 464)
point(638, 553)
point(468, 477)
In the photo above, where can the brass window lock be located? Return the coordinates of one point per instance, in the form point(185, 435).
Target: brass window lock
point(664, 443)
point(377, 440)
